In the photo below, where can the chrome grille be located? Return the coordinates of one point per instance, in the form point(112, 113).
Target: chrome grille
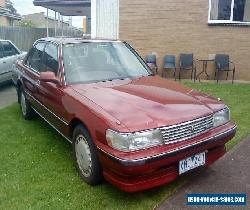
point(186, 130)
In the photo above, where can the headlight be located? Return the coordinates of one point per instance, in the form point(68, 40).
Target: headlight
point(134, 141)
point(221, 117)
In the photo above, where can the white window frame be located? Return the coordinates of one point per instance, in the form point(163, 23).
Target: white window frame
point(231, 21)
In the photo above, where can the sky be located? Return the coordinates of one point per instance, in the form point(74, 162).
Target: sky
point(25, 7)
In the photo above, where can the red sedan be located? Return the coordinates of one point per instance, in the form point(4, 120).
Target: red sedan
point(125, 124)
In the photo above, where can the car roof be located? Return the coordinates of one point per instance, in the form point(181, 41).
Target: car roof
point(68, 40)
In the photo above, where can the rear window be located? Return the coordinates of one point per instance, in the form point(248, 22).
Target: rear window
point(9, 49)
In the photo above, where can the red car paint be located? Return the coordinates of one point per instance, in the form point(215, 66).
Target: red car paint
point(127, 106)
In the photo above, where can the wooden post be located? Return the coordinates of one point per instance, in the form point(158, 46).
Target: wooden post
point(47, 22)
point(55, 23)
point(62, 25)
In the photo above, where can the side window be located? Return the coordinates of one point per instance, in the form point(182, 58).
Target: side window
point(35, 58)
point(1, 50)
point(51, 58)
point(9, 49)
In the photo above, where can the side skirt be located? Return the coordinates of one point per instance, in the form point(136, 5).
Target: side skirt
point(52, 126)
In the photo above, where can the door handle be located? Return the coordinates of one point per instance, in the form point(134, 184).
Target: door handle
point(4, 62)
point(37, 83)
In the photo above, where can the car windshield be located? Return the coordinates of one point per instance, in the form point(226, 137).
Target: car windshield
point(101, 61)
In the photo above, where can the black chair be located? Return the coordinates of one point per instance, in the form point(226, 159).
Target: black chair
point(151, 61)
point(169, 63)
point(223, 63)
point(187, 63)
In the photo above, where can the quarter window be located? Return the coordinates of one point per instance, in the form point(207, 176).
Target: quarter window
point(229, 11)
point(9, 49)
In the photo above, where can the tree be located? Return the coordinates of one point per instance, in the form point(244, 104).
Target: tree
point(10, 6)
point(26, 23)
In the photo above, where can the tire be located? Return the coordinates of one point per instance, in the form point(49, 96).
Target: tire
point(18, 91)
point(26, 109)
point(85, 156)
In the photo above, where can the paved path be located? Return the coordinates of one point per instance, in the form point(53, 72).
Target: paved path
point(230, 174)
point(8, 95)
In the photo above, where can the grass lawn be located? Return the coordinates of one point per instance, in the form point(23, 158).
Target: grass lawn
point(37, 171)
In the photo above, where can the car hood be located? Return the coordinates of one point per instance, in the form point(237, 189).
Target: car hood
point(148, 102)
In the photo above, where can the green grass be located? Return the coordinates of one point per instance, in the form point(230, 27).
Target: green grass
point(37, 171)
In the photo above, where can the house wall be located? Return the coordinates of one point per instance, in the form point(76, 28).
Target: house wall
point(2, 3)
point(39, 20)
point(4, 21)
point(176, 26)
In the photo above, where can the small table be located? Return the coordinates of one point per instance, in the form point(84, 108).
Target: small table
point(204, 69)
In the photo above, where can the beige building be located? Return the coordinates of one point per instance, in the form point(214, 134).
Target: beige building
point(6, 17)
point(201, 27)
point(40, 21)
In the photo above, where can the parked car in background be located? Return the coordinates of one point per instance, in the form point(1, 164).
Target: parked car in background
point(135, 129)
point(9, 54)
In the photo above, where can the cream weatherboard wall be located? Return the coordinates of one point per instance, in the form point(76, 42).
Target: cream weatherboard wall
point(3, 20)
point(175, 26)
point(2, 3)
point(105, 19)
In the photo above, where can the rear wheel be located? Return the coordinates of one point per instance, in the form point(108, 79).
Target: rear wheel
point(26, 109)
point(85, 156)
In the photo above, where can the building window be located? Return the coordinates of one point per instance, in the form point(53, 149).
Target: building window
point(229, 12)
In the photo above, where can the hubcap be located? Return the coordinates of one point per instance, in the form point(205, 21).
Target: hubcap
point(83, 155)
point(23, 104)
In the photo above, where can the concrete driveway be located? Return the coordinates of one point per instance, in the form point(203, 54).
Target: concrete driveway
point(230, 174)
point(8, 95)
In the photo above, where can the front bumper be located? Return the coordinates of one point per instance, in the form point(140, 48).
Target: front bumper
point(136, 174)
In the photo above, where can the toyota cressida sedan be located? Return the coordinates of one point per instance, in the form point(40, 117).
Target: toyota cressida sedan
point(125, 124)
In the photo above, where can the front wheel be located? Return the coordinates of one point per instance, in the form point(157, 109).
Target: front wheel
point(85, 156)
point(26, 109)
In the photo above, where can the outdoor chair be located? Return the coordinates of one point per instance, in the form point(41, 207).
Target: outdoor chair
point(151, 61)
point(223, 63)
point(169, 63)
point(187, 63)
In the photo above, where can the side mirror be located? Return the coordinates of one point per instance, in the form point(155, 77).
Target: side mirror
point(49, 76)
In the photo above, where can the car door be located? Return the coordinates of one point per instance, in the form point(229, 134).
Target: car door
point(51, 94)
point(10, 53)
point(32, 67)
point(7, 57)
point(2, 64)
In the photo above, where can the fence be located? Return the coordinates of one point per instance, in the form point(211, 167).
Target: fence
point(24, 37)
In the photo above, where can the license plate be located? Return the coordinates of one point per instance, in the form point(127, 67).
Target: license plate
point(192, 162)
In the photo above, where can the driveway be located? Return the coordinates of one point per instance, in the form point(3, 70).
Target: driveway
point(8, 95)
point(230, 174)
